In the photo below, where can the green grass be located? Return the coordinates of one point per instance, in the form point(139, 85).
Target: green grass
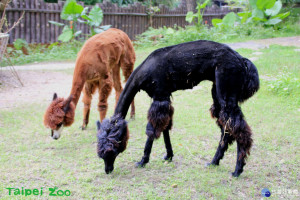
point(31, 159)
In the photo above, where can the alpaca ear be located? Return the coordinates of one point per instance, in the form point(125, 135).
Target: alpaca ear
point(54, 96)
point(67, 104)
point(98, 125)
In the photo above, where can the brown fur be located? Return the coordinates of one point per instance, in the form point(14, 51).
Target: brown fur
point(55, 114)
point(160, 117)
point(97, 67)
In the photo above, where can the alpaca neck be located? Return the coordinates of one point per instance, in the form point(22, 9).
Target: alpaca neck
point(131, 89)
point(77, 85)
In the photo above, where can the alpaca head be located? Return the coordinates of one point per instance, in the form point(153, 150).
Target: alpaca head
point(60, 113)
point(112, 137)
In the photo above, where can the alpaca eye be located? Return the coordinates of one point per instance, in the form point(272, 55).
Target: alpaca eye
point(59, 125)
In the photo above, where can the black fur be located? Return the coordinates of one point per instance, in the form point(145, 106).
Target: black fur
point(112, 139)
point(184, 66)
point(160, 117)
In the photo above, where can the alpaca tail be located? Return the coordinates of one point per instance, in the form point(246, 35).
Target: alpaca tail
point(251, 84)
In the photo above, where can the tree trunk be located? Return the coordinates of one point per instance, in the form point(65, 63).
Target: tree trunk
point(190, 5)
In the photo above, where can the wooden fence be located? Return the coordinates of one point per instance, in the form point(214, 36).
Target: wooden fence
point(133, 20)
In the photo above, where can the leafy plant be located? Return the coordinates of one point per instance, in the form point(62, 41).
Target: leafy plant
point(284, 84)
point(94, 19)
point(227, 22)
point(70, 12)
point(197, 18)
point(266, 12)
point(19, 43)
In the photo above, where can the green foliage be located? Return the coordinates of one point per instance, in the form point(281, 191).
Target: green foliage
point(169, 36)
point(197, 18)
point(285, 84)
point(227, 22)
point(86, 2)
point(19, 43)
point(94, 19)
point(72, 12)
point(266, 12)
point(38, 53)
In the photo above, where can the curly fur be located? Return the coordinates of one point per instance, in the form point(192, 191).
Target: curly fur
point(98, 66)
point(55, 113)
point(160, 116)
point(112, 136)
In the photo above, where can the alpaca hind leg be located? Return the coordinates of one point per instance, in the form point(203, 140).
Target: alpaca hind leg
point(244, 143)
point(104, 92)
point(127, 69)
point(117, 82)
point(225, 138)
point(231, 118)
point(88, 90)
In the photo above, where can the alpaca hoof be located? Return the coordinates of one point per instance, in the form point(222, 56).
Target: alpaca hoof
point(210, 164)
point(132, 117)
point(168, 158)
point(140, 165)
point(82, 128)
point(235, 174)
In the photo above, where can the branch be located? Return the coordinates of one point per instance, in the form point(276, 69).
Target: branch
point(16, 23)
point(3, 14)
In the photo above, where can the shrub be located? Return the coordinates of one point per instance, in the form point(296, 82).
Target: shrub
point(285, 84)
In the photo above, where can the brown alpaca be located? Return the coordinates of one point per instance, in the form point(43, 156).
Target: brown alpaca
point(97, 67)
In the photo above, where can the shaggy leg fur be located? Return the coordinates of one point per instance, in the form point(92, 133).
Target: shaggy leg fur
point(160, 117)
point(244, 143)
point(231, 119)
point(223, 146)
point(225, 138)
point(88, 90)
point(104, 91)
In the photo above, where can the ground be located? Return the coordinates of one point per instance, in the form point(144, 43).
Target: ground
point(30, 158)
point(40, 82)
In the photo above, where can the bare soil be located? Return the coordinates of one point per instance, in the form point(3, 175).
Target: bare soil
point(40, 85)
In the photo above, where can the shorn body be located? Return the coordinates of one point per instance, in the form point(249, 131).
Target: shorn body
point(181, 67)
point(98, 66)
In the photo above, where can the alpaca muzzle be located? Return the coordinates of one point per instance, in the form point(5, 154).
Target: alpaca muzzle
point(55, 134)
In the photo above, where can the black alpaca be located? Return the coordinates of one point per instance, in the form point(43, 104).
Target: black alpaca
point(181, 67)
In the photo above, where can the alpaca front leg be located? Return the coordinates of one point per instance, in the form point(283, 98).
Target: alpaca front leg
point(168, 145)
point(132, 113)
point(104, 92)
point(87, 100)
point(147, 152)
point(86, 114)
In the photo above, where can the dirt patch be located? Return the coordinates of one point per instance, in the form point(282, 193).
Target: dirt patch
point(38, 87)
point(264, 43)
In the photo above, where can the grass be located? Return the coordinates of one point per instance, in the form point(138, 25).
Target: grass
point(31, 159)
